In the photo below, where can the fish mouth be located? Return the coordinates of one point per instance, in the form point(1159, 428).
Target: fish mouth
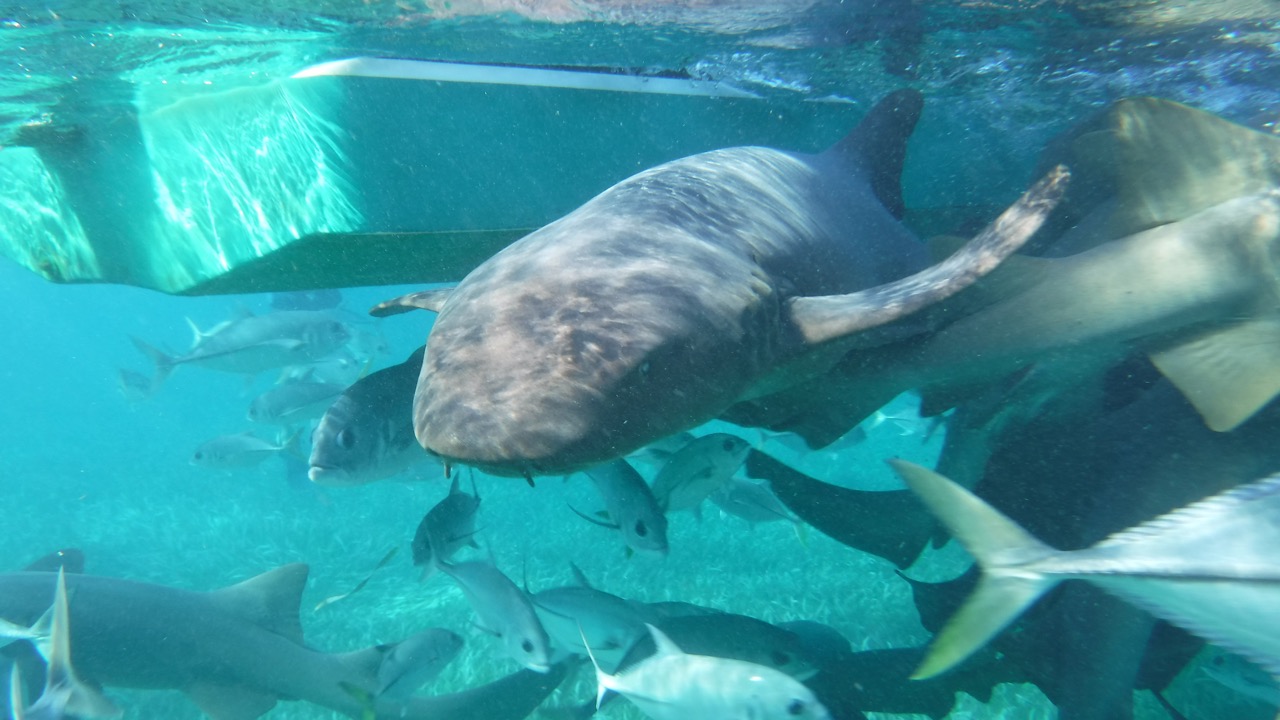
point(326, 475)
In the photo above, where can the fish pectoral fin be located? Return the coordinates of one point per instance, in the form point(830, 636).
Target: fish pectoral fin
point(429, 300)
point(1227, 374)
point(593, 521)
point(230, 702)
point(831, 317)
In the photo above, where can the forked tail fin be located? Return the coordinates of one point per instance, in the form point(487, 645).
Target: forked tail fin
point(1003, 550)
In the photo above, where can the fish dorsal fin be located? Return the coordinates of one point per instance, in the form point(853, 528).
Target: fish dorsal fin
point(832, 317)
point(270, 600)
point(1228, 374)
point(878, 145)
point(663, 645)
point(579, 576)
point(1163, 161)
point(69, 559)
point(431, 300)
point(1217, 509)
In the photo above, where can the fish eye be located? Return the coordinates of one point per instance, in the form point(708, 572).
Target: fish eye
point(199, 455)
point(780, 659)
point(644, 370)
point(796, 707)
point(346, 438)
point(729, 444)
point(641, 529)
point(526, 646)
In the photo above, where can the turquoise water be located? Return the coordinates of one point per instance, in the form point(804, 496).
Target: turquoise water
point(82, 465)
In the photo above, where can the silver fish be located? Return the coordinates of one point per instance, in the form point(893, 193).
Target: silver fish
point(447, 527)
point(631, 507)
point(697, 470)
point(293, 402)
point(504, 610)
point(240, 451)
point(751, 500)
point(250, 344)
point(416, 661)
point(575, 614)
point(367, 433)
point(1210, 568)
point(674, 685)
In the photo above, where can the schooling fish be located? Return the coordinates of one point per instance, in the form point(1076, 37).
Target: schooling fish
point(367, 433)
point(697, 470)
point(240, 451)
point(1209, 567)
point(293, 402)
point(682, 290)
point(447, 527)
point(504, 610)
point(674, 685)
point(251, 343)
point(631, 507)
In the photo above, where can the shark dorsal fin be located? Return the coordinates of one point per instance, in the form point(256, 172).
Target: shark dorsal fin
point(834, 317)
point(878, 145)
point(270, 600)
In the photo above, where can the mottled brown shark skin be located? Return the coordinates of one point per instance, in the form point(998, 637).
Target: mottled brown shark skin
point(1167, 245)
point(235, 651)
point(681, 290)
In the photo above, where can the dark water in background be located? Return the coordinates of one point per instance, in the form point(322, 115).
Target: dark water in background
point(82, 466)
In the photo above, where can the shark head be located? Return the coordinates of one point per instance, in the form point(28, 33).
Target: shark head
point(533, 372)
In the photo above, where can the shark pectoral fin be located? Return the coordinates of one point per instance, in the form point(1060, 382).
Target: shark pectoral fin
point(270, 600)
point(230, 702)
point(429, 300)
point(831, 317)
point(1227, 374)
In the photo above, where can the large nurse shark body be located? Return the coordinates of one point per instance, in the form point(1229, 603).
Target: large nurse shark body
point(681, 290)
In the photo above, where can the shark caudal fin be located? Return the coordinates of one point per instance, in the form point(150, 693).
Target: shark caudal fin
point(878, 145)
point(1003, 550)
point(831, 317)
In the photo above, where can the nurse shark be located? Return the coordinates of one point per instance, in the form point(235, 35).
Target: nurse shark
point(236, 651)
point(681, 290)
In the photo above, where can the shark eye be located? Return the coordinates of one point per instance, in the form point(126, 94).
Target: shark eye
point(346, 438)
point(780, 659)
point(526, 646)
point(796, 707)
point(641, 529)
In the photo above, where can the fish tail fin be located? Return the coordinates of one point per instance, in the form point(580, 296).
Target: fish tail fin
point(602, 678)
point(879, 145)
point(164, 363)
point(1003, 550)
point(17, 694)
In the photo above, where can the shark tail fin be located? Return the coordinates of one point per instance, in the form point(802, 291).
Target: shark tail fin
point(879, 145)
point(1004, 551)
point(164, 363)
